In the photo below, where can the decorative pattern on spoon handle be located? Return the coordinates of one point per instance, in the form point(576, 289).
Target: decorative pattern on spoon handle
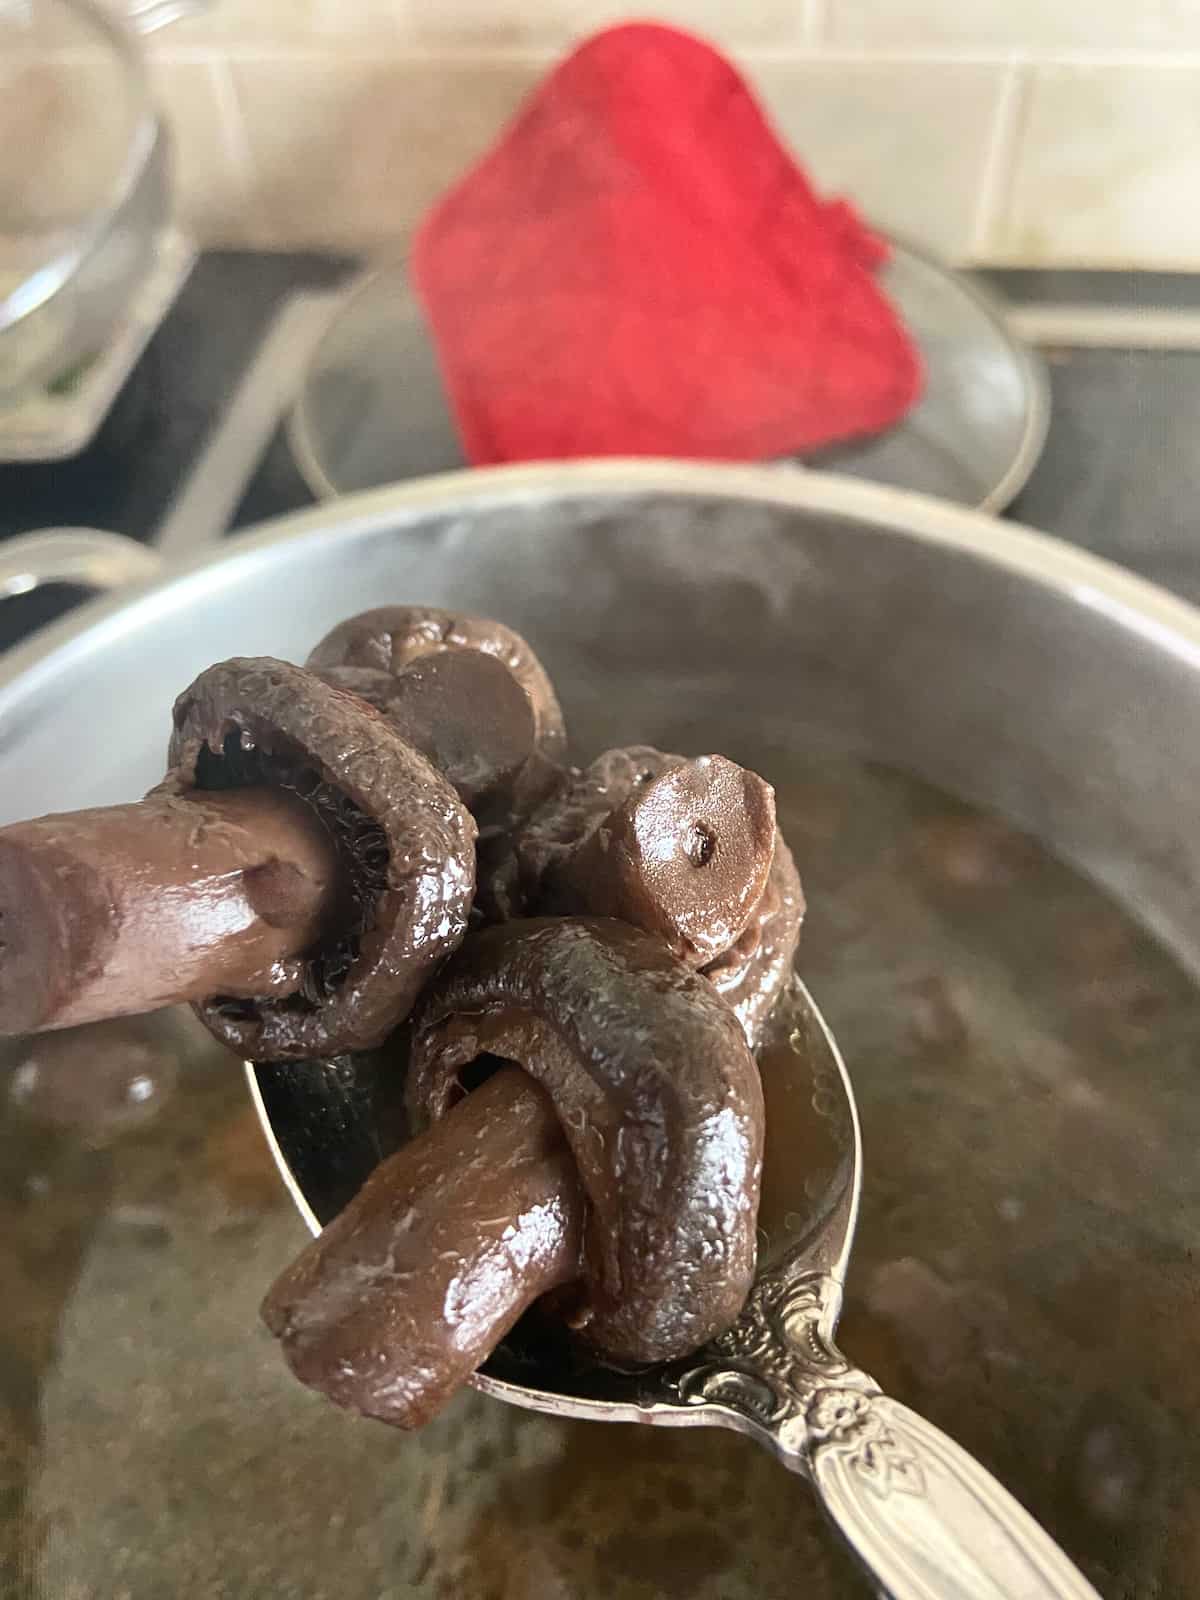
point(924, 1518)
point(774, 1360)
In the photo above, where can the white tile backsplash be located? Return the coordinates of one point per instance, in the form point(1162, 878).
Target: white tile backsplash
point(384, 21)
point(729, 23)
point(1027, 25)
point(1041, 132)
point(553, 24)
point(234, 23)
point(908, 146)
point(377, 141)
point(210, 171)
point(1108, 171)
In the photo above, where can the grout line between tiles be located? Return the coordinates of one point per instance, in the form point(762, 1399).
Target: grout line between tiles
point(1185, 59)
point(815, 22)
point(332, 47)
point(1179, 61)
point(332, 51)
point(814, 45)
point(1000, 162)
point(233, 125)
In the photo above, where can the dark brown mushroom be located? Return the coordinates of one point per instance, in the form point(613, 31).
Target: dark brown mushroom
point(563, 858)
point(544, 845)
point(390, 637)
point(680, 847)
point(393, 1306)
point(405, 848)
point(658, 1096)
point(751, 974)
point(468, 716)
point(685, 856)
point(123, 909)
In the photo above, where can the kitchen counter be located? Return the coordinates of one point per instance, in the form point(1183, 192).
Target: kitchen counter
point(1120, 474)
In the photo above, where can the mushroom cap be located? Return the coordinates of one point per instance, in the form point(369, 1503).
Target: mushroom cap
point(464, 711)
point(405, 840)
point(390, 637)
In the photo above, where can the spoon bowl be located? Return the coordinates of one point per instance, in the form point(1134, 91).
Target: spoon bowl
point(925, 1519)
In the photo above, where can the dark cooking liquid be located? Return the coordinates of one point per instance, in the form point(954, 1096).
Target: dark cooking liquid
point(1025, 1060)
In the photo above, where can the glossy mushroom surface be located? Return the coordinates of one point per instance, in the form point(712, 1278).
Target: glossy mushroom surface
point(750, 975)
point(685, 855)
point(124, 909)
point(393, 1306)
point(543, 846)
point(390, 637)
point(404, 841)
point(658, 1096)
point(464, 711)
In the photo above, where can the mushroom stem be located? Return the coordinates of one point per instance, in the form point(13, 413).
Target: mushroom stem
point(124, 909)
point(414, 1284)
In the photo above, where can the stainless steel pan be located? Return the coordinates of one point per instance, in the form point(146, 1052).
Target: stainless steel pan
point(1025, 1265)
point(993, 662)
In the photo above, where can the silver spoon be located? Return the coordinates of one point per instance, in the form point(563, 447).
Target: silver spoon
point(925, 1520)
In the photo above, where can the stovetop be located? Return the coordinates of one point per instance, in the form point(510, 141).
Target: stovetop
point(1120, 474)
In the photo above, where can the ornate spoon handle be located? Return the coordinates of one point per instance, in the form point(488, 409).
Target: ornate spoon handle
point(924, 1518)
point(921, 1515)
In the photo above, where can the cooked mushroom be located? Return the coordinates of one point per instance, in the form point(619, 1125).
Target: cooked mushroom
point(124, 909)
point(416, 1281)
point(626, 1177)
point(685, 855)
point(751, 974)
point(468, 716)
point(544, 844)
point(680, 847)
point(299, 874)
point(659, 1099)
point(687, 849)
point(389, 638)
point(405, 849)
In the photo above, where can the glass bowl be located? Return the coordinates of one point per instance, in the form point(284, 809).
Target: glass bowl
point(83, 185)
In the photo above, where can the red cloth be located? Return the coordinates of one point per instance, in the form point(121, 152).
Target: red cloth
point(638, 267)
